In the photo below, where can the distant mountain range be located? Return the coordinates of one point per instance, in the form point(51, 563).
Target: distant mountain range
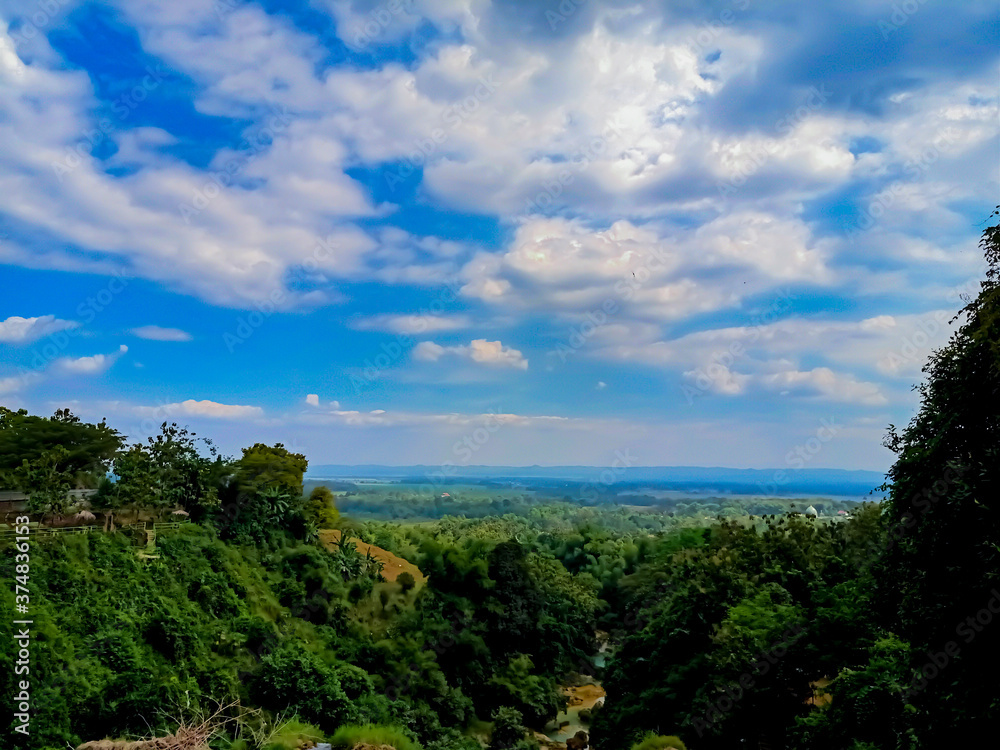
point(682, 478)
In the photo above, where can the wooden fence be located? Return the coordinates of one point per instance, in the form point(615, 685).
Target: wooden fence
point(42, 532)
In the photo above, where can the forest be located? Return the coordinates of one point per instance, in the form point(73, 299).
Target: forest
point(757, 629)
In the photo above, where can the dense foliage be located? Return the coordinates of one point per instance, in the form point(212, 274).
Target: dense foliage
point(870, 634)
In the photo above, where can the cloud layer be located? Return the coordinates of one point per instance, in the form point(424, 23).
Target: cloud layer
point(752, 210)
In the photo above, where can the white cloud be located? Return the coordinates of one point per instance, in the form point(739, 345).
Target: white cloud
point(92, 365)
point(205, 408)
point(634, 272)
point(11, 385)
point(413, 325)
point(428, 351)
point(157, 333)
point(313, 400)
point(387, 418)
point(892, 346)
point(825, 383)
point(485, 352)
point(18, 330)
point(612, 120)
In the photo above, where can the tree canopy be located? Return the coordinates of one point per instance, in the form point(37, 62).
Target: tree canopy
point(87, 448)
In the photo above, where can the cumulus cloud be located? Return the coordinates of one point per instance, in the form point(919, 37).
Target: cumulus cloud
point(768, 356)
point(18, 330)
point(312, 400)
point(895, 346)
point(92, 365)
point(157, 333)
point(824, 382)
point(204, 408)
point(492, 353)
point(614, 114)
point(561, 265)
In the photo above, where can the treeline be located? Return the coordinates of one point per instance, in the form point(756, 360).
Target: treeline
point(245, 604)
point(402, 502)
point(879, 633)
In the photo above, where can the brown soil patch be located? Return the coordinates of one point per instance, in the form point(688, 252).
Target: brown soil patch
point(393, 565)
point(819, 697)
point(585, 696)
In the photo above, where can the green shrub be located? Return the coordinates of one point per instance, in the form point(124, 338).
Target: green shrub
point(508, 729)
point(295, 679)
point(347, 737)
point(659, 742)
point(289, 735)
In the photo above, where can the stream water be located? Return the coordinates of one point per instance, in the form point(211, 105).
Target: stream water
point(587, 696)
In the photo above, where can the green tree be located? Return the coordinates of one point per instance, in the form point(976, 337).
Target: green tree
point(406, 580)
point(87, 448)
point(135, 480)
point(183, 475)
point(293, 679)
point(320, 508)
point(169, 471)
point(264, 466)
point(46, 479)
point(942, 517)
point(508, 729)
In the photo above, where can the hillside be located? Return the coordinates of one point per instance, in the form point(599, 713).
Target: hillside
point(392, 565)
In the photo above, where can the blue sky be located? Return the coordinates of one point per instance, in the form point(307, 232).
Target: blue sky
point(556, 232)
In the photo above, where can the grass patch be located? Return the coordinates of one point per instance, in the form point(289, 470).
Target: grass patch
point(348, 736)
point(291, 735)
